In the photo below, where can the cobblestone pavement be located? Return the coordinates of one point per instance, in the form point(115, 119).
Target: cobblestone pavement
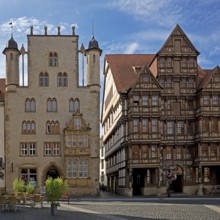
point(118, 208)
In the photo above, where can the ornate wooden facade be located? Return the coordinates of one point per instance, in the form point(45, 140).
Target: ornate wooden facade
point(161, 114)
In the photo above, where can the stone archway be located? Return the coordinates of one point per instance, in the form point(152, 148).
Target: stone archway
point(52, 170)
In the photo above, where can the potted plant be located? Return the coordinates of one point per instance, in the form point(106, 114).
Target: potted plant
point(18, 185)
point(54, 190)
point(29, 188)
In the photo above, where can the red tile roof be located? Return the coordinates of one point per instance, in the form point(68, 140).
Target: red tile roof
point(2, 90)
point(122, 67)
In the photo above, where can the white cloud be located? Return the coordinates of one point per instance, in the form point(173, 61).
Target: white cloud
point(22, 25)
point(131, 48)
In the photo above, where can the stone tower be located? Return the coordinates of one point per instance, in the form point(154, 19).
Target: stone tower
point(93, 54)
point(12, 65)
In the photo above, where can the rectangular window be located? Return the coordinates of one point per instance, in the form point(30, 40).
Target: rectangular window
point(52, 149)
point(144, 125)
point(178, 153)
point(29, 175)
point(206, 100)
point(71, 169)
point(215, 99)
point(205, 125)
point(170, 127)
point(28, 149)
point(169, 153)
point(145, 100)
point(135, 125)
point(154, 100)
point(144, 151)
point(154, 124)
point(190, 105)
point(135, 152)
point(180, 127)
point(136, 100)
point(207, 174)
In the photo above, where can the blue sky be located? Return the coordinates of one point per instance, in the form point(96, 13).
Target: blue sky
point(120, 26)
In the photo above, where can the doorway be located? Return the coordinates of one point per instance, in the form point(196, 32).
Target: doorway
point(52, 172)
point(177, 185)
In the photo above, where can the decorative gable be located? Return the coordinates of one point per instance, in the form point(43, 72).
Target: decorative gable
point(77, 123)
point(178, 43)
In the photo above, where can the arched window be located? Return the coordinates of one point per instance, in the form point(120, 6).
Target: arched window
point(52, 127)
point(53, 59)
point(71, 105)
point(28, 127)
point(51, 105)
point(50, 59)
point(43, 79)
point(59, 79)
point(76, 105)
point(27, 105)
point(54, 105)
point(33, 105)
point(62, 79)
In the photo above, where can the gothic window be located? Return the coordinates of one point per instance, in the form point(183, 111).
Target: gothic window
point(76, 105)
point(52, 127)
point(62, 79)
point(27, 105)
point(53, 59)
point(170, 127)
point(30, 105)
point(51, 105)
point(28, 127)
point(43, 80)
point(71, 105)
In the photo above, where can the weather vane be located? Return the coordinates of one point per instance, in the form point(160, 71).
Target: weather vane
point(11, 29)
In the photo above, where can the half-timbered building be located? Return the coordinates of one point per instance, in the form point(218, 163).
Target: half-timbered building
point(160, 116)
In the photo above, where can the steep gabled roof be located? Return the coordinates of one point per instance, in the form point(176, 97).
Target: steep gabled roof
point(177, 31)
point(2, 90)
point(204, 76)
point(122, 68)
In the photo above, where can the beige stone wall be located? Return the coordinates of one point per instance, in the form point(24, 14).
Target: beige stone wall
point(2, 138)
point(38, 52)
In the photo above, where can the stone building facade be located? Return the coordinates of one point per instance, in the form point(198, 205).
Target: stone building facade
point(52, 123)
point(160, 116)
